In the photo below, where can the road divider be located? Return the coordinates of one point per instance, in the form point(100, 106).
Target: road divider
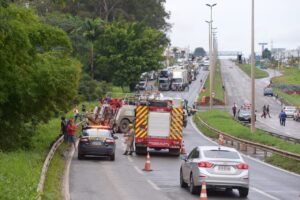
point(244, 144)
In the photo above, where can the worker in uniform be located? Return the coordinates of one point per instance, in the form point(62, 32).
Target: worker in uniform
point(130, 139)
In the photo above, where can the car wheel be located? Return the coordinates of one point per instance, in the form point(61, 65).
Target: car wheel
point(80, 156)
point(124, 125)
point(182, 183)
point(112, 157)
point(140, 150)
point(174, 152)
point(193, 189)
point(243, 192)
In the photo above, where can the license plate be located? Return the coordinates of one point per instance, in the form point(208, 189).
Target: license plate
point(97, 143)
point(224, 168)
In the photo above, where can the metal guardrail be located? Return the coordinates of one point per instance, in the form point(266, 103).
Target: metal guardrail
point(47, 162)
point(252, 144)
point(284, 137)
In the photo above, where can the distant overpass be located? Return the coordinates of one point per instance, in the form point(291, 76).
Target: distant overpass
point(229, 53)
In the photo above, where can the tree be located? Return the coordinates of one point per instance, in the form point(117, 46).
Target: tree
point(199, 52)
point(38, 78)
point(125, 50)
point(266, 54)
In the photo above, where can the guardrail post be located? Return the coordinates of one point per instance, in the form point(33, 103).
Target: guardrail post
point(254, 150)
point(231, 142)
point(238, 146)
point(265, 154)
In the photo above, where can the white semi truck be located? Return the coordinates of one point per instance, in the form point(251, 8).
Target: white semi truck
point(180, 79)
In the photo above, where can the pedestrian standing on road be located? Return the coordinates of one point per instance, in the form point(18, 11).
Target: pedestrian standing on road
point(75, 113)
point(283, 116)
point(264, 113)
point(71, 133)
point(63, 128)
point(234, 107)
point(268, 111)
point(130, 139)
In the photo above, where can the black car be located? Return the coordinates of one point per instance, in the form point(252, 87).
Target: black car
point(244, 115)
point(97, 142)
point(268, 92)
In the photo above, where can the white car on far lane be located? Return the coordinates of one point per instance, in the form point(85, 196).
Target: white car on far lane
point(289, 110)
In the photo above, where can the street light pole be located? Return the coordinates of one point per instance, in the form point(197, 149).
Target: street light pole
point(210, 57)
point(252, 72)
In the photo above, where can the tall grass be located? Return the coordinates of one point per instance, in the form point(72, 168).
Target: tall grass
point(20, 170)
point(258, 72)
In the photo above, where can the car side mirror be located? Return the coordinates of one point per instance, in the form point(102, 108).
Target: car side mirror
point(115, 137)
point(184, 157)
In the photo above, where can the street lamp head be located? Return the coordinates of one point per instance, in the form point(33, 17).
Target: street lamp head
point(209, 5)
point(208, 22)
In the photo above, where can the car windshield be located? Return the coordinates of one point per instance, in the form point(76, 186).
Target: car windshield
point(163, 74)
point(268, 89)
point(177, 80)
point(163, 81)
point(97, 133)
point(221, 154)
point(290, 108)
point(245, 112)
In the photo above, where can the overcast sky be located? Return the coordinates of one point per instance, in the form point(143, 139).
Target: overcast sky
point(275, 20)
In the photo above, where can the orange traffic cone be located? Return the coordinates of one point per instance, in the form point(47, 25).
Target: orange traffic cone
point(182, 150)
point(147, 164)
point(203, 194)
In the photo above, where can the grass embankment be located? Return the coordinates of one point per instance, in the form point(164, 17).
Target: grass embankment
point(118, 92)
point(53, 183)
point(290, 75)
point(258, 72)
point(217, 86)
point(20, 170)
point(223, 121)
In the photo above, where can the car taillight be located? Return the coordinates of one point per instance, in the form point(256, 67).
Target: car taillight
point(242, 166)
point(109, 141)
point(84, 139)
point(205, 164)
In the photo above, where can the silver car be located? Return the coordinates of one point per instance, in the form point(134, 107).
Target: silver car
point(289, 110)
point(220, 167)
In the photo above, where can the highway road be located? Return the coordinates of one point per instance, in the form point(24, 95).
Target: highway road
point(237, 85)
point(98, 178)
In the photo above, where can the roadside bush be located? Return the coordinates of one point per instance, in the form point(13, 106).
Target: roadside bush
point(91, 90)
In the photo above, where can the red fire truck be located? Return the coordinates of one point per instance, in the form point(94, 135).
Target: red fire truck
point(159, 125)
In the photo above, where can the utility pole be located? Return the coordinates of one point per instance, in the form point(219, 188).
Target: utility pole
point(210, 57)
point(252, 72)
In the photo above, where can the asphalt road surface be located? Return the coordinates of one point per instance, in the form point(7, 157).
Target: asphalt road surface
point(98, 178)
point(238, 90)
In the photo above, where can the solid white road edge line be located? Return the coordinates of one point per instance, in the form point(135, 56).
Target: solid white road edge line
point(130, 159)
point(263, 193)
point(153, 184)
point(66, 183)
point(254, 159)
point(138, 170)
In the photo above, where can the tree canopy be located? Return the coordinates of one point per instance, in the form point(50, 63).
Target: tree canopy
point(37, 75)
point(125, 50)
point(199, 51)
